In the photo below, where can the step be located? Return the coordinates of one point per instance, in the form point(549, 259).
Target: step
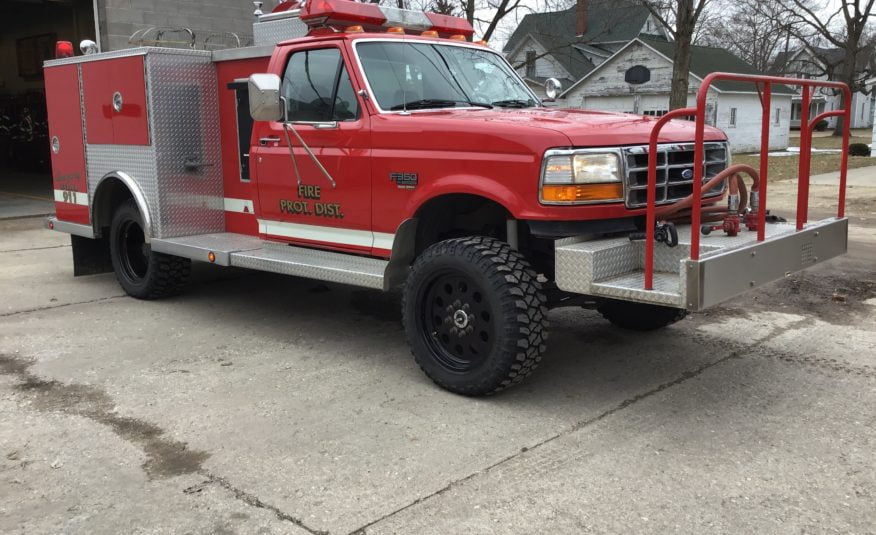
point(199, 246)
point(668, 289)
point(314, 264)
point(251, 252)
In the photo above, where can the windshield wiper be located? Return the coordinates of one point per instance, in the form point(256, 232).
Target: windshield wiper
point(425, 103)
point(436, 103)
point(514, 103)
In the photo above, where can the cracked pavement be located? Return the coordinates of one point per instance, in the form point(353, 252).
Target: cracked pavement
point(262, 404)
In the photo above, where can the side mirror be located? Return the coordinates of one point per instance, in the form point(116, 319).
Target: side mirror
point(552, 88)
point(264, 97)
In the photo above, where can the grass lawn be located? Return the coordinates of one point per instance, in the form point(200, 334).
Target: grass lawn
point(785, 167)
point(821, 141)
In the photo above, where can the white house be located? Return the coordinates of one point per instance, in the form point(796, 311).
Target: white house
point(822, 64)
point(568, 44)
point(734, 107)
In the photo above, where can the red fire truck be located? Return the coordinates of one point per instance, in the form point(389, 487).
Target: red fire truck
point(382, 148)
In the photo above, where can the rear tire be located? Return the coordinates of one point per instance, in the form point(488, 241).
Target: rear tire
point(142, 273)
point(474, 315)
point(639, 316)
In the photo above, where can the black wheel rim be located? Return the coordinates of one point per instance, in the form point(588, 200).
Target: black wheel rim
point(133, 251)
point(456, 321)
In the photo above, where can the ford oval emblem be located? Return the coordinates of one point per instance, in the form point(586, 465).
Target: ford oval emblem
point(687, 174)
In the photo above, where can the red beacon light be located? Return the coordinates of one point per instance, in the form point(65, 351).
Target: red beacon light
point(63, 49)
point(376, 18)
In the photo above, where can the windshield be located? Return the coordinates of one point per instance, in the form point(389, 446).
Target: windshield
point(410, 75)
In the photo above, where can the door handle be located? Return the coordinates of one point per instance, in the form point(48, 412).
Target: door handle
point(269, 139)
point(318, 125)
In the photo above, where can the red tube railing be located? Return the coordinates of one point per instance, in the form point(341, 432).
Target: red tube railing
point(764, 85)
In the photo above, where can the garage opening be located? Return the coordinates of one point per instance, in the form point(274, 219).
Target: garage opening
point(29, 30)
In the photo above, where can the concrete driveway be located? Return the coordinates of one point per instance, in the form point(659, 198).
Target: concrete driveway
point(262, 404)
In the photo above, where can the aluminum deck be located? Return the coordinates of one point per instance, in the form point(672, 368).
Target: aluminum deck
point(728, 266)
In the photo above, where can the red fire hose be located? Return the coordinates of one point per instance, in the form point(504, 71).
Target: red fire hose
point(680, 211)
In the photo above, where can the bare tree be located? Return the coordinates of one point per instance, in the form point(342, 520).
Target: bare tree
point(753, 30)
point(680, 18)
point(484, 15)
point(444, 7)
point(846, 29)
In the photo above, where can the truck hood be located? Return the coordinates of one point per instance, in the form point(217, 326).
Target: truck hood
point(583, 128)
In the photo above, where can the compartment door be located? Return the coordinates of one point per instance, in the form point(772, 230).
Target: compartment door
point(67, 144)
point(115, 101)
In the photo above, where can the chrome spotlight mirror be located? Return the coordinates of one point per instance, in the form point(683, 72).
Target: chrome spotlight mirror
point(552, 88)
point(87, 46)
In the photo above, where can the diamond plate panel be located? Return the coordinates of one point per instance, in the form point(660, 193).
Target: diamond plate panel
point(313, 264)
point(198, 247)
point(138, 161)
point(184, 121)
point(274, 31)
point(667, 289)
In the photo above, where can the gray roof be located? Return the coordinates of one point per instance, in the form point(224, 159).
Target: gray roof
point(608, 21)
point(705, 60)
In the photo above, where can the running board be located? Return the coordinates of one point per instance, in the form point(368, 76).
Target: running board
point(241, 250)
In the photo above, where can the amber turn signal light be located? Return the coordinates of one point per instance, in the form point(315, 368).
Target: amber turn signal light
point(582, 192)
point(429, 33)
point(355, 29)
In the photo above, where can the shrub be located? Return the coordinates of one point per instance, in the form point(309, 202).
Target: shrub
point(859, 149)
point(821, 126)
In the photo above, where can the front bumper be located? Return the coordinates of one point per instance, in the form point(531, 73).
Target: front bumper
point(613, 268)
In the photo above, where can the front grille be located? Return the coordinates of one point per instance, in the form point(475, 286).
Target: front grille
point(675, 163)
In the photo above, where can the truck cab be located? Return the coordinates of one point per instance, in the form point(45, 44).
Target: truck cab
point(385, 150)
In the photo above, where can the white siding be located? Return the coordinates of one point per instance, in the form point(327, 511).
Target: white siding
point(862, 111)
point(545, 66)
point(609, 78)
point(745, 136)
point(606, 90)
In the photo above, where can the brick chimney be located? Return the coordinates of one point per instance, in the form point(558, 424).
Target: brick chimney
point(581, 17)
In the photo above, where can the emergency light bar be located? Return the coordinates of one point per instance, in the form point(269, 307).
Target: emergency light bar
point(372, 17)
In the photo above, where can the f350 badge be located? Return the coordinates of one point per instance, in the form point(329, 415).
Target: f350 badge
point(404, 180)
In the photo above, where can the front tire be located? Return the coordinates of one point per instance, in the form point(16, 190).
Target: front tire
point(142, 273)
point(474, 315)
point(639, 316)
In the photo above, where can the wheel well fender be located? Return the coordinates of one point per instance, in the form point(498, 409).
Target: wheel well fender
point(445, 216)
point(479, 186)
point(113, 189)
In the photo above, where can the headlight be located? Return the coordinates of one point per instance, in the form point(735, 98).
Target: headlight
point(584, 177)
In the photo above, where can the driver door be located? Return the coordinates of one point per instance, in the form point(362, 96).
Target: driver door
point(323, 108)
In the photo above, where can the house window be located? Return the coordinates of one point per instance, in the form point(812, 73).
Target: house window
point(732, 117)
point(655, 113)
point(530, 63)
point(778, 116)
